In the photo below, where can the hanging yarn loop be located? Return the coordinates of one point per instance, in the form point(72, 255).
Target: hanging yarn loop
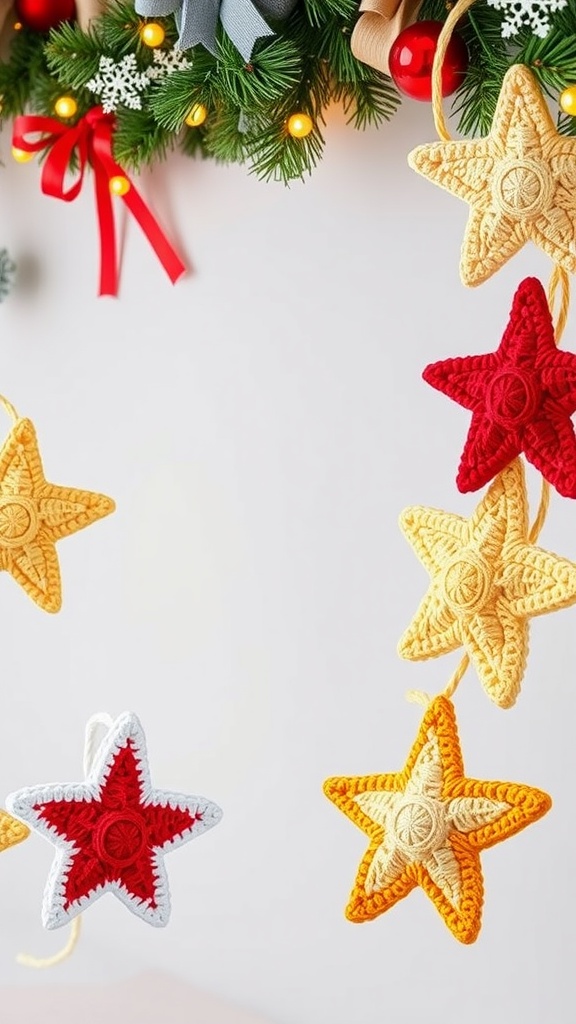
point(92, 741)
point(418, 697)
point(9, 409)
point(42, 963)
point(452, 20)
point(559, 302)
point(93, 737)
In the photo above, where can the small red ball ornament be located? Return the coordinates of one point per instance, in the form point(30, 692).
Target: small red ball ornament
point(42, 15)
point(412, 56)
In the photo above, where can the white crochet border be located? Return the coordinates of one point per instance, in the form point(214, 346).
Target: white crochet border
point(21, 805)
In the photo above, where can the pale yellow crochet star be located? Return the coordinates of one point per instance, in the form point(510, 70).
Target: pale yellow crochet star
point(34, 514)
point(487, 581)
point(12, 831)
point(520, 181)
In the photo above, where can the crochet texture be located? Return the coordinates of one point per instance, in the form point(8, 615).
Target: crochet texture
point(427, 825)
point(487, 580)
point(520, 182)
point(111, 832)
point(11, 831)
point(521, 398)
point(34, 514)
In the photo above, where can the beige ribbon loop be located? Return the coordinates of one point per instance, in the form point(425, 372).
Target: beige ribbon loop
point(87, 10)
point(379, 26)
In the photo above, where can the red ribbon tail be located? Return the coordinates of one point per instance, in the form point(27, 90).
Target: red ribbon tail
point(165, 252)
point(107, 232)
point(105, 166)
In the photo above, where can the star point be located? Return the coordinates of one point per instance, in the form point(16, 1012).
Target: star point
point(12, 831)
point(428, 824)
point(35, 514)
point(111, 831)
point(519, 181)
point(486, 581)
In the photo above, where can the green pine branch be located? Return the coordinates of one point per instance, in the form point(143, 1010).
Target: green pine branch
point(304, 67)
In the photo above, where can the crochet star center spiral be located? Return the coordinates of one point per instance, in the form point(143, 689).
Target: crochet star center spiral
point(512, 397)
point(120, 838)
point(18, 521)
point(419, 826)
point(467, 583)
point(522, 188)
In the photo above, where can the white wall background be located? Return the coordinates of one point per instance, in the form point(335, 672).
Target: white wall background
point(261, 426)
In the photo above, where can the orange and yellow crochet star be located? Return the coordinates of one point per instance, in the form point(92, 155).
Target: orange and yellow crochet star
point(34, 514)
point(12, 831)
point(487, 581)
point(427, 825)
point(520, 182)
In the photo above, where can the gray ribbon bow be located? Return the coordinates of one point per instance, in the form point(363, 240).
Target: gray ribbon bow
point(197, 20)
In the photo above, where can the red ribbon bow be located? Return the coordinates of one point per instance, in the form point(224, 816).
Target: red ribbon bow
point(91, 140)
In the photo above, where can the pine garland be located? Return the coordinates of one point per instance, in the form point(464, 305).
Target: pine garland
point(306, 66)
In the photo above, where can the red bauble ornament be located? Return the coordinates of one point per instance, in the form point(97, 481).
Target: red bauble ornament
point(412, 56)
point(42, 15)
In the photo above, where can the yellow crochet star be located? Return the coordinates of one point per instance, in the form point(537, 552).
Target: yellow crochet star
point(520, 181)
point(487, 580)
point(12, 831)
point(427, 825)
point(34, 514)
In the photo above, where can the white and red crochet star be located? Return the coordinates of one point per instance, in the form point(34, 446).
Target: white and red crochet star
point(112, 830)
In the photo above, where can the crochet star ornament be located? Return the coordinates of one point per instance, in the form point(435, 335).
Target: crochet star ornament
point(12, 831)
point(487, 581)
point(34, 514)
point(111, 831)
point(521, 398)
point(427, 825)
point(520, 181)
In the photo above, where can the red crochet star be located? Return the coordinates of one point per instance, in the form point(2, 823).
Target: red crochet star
point(521, 398)
point(112, 830)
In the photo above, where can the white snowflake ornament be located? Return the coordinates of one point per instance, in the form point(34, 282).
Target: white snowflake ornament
point(119, 83)
point(166, 62)
point(534, 13)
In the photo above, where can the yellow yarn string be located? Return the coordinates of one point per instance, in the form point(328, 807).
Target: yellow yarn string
point(443, 40)
point(418, 697)
point(559, 280)
point(41, 963)
point(558, 288)
point(9, 408)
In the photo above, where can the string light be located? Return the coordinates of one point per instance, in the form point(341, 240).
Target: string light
point(119, 185)
point(568, 100)
point(65, 106)
point(21, 156)
point(152, 34)
point(300, 125)
point(197, 115)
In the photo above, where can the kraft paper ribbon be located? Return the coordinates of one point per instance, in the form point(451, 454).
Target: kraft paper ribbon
point(90, 140)
point(197, 20)
point(379, 26)
point(6, 8)
point(87, 10)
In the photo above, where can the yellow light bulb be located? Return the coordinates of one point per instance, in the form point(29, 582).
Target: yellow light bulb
point(152, 34)
point(18, 26)
point(65, 106)
point(119, 185)
point(300, 125)
point(568, 100)
point(197, 115)
point(21, 156)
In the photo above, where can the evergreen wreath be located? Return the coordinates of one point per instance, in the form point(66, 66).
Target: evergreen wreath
point(221, 105)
